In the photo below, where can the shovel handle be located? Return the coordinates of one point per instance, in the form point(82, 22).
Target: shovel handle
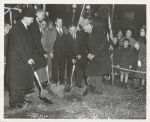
point(39, 83)
point(47, 74)
point(72, 74)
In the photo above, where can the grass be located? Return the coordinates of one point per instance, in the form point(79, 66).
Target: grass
point(114, 103)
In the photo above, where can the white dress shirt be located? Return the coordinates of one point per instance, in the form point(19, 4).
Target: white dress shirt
point(59, 29)
point(24, 24)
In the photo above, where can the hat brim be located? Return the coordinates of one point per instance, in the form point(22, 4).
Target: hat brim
point(86, 23)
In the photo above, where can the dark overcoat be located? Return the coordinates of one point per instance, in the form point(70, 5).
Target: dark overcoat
point(38, 57)
point(20, 74)
point(36, 35)
point(72, 51)
point(125, 57)
point(99, 47)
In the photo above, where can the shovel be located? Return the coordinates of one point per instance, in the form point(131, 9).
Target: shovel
point(72, 74)
point(42, 91)
point(48, 83)
point(68, 86)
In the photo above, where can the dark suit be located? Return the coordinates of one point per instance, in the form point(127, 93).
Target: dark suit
point(37, 45)
point(74, 47)
point(20, 75)
point(35, 31)
point(59, 60)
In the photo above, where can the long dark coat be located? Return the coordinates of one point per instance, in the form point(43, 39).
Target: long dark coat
point(37, 46)
point(72, 51)
point(98, 45)
point(134, 62)
point(142, 57)
point(36, 35)
point(125, 58)
point(20, 74)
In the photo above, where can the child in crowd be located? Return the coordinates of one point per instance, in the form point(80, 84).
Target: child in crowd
point(134, 64)
point(128, 36)
point(125, 61)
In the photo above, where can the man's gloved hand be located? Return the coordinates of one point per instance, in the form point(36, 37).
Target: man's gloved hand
point(30, 61)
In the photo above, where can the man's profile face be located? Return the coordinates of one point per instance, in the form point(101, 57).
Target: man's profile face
point(29, 20)
point(43, 25)
point(72, 30)
point(41, 15)
point(58, 23)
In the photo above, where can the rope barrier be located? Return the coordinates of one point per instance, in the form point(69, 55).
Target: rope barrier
point(128, 69)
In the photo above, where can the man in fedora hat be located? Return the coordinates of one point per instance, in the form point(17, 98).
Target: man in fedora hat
point(20, 74)
point(98, 55)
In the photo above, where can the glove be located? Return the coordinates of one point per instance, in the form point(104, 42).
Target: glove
point(139, 63)
point(30, 61)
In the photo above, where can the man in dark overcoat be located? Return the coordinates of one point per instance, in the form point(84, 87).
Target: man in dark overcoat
point(75, 46)
point(37, 34)
point(20, 74)
point(99, 57)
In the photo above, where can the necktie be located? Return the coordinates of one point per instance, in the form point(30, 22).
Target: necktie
point(75, 42)
point(42, 33)
point(60, 32)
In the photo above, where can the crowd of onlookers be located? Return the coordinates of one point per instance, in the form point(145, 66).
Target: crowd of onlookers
point(129, 53)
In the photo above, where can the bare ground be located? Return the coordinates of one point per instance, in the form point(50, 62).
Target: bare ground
point(114, 103)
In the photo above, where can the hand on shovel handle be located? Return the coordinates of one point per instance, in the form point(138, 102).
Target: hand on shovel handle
point(42, 91)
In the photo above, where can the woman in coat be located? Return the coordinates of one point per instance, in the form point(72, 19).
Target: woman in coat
point(142, 59)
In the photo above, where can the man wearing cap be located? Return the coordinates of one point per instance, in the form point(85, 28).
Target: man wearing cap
point(20, 74)
point(98, 55)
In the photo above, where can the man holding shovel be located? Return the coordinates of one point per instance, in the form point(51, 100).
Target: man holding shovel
point(20, 74)
point(75, 46)
point(99, 57)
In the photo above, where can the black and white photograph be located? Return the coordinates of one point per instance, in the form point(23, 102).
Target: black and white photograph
point(75, 61)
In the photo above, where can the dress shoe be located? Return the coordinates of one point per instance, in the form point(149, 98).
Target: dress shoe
point(125, 86)
point(134, 87)
point(27, 101)
point(79, 86)
point(67, 88)
point(96, 92)
point(29, 91)
point(86, 90)
point(16, 106)
point(140, 90)
point(44, 84)
point(121, 84)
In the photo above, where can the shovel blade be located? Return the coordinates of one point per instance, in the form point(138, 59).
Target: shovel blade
point(44, 99)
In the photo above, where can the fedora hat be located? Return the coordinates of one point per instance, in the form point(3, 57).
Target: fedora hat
point(85, 22)
point(28, 12)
